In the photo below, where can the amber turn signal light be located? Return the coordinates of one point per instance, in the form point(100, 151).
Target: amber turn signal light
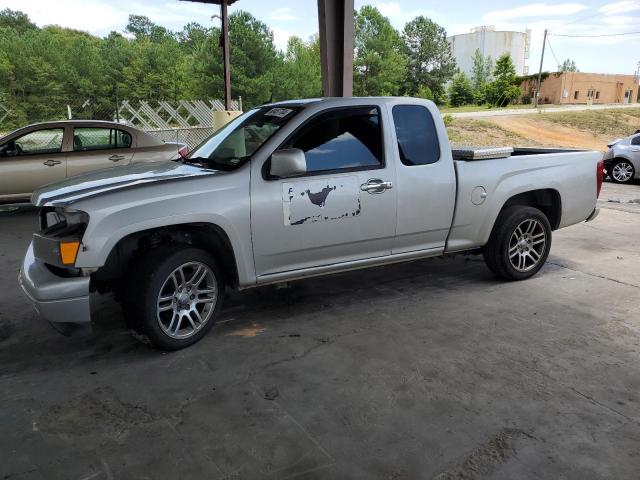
point(69, 252)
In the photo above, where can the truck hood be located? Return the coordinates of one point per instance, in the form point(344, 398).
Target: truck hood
point(118, 178)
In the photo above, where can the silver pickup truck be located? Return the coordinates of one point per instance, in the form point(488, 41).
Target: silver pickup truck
point(291, 190)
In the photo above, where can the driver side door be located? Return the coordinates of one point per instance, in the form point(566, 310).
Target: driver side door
point(334, 213)
point(30, 161)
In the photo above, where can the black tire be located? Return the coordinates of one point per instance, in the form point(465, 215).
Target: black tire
point(624, 165)
point(148, 279)
point(497, 250)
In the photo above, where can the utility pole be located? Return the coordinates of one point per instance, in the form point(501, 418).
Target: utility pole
point(544, 44)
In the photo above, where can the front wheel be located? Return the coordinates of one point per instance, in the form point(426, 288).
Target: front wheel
point(519, 243)
point(175, 295)
point(622, 171)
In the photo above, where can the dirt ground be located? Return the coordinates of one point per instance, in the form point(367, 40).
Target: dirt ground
point(591, 130)
point(549, 134)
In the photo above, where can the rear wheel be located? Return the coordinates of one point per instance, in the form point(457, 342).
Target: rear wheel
point(519, 243)
point(175, 295)
point(622, 171)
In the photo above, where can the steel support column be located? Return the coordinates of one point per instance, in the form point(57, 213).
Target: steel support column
point(225, 55)
point(335, 18)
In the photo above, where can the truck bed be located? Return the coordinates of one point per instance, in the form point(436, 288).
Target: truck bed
point(485, 184)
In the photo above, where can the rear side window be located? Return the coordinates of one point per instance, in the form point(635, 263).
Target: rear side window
point(635, 140)
point(416, 133)
point(85, 139)
point(344, 139)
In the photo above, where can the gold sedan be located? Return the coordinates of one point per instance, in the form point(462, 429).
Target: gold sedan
point(43, 153)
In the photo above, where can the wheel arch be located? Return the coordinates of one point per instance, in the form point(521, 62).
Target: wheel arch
point(128, 249)
point(547, 200)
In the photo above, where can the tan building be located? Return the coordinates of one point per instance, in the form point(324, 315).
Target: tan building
point(583, 88)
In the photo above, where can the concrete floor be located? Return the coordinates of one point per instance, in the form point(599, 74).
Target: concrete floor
point(432, 369)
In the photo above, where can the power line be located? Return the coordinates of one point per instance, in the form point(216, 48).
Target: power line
point(579, 20)
point(598, 13)
point(553, 53)
point(595, 36)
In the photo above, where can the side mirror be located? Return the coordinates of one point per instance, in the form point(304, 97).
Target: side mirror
point(288, 162)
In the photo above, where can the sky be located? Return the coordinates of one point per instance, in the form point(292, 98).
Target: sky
point(607, 54)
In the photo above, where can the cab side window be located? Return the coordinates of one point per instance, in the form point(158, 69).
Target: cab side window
point(38, 142)
point(344, 139)
point(416, 133)
point(92, 138)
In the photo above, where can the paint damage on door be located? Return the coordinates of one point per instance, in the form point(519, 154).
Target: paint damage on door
point(312, 201)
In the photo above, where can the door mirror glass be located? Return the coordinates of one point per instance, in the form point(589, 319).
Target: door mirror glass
point(288, 162)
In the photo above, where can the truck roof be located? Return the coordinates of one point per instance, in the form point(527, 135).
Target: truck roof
point(301, 102)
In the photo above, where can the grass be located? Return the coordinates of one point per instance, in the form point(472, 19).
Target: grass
point(483, 133)
point(613, 123)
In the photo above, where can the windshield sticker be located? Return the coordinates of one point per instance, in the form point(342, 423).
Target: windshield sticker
point(279, 112)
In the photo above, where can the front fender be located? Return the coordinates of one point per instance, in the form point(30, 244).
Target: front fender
point(116, 216)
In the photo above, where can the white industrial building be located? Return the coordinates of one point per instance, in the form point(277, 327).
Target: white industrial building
point(491, 43)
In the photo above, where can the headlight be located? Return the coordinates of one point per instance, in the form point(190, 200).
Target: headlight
point(63, 222)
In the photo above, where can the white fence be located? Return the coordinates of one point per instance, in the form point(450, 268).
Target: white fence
point(187, 121)
point(184, 121)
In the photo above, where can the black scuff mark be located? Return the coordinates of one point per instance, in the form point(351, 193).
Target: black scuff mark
point(301, 221)
point(357, 212)
point(319, 198)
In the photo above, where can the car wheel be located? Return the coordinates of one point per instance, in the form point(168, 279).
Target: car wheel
point(175, 296)
point(519, 243)
point(622, 171)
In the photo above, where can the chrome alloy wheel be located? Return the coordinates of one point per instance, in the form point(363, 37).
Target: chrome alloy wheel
point(527, 244)
point(622, 171)
point(187, 300)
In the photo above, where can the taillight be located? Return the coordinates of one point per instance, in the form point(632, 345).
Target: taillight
point(599, 177)
point(183, 152)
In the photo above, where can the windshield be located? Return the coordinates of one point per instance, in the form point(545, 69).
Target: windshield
point(237, 141)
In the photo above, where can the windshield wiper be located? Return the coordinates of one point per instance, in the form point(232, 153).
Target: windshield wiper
point(228, 165)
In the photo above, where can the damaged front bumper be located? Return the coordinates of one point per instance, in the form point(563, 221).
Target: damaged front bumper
point(61, 301)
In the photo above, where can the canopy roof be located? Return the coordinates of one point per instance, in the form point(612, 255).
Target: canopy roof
point(214, 2)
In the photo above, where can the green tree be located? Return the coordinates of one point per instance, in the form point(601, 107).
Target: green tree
point(568, 66)
point(141, 26)
point(253, 58)
point(298, 74)
point(460, 90)
point(424, 92)
point(503, 89)
point(15, 20)
point(431, 62)
point(380, 63)
point(481, 75)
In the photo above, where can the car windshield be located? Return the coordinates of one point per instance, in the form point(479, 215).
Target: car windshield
point(237, 141)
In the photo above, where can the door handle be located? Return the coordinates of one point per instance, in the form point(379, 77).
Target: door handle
point(375, 185)
point(116, 158)
point(51, 163)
